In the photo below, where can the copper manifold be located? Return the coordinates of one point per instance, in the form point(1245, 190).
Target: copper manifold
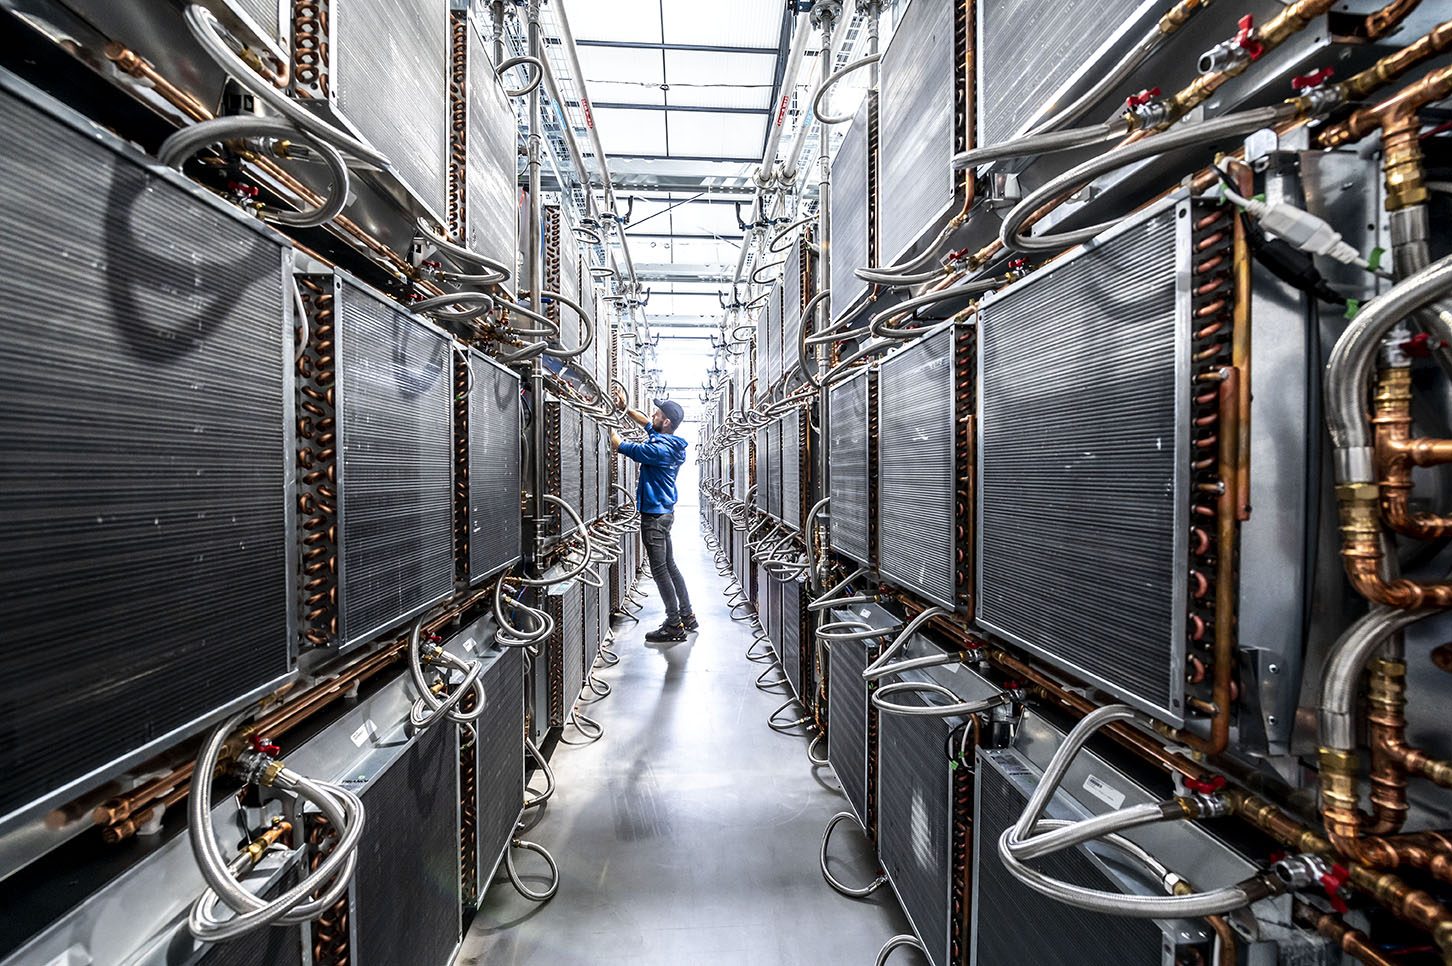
point(1397, 452)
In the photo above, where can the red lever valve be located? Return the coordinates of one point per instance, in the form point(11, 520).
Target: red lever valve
point(1334, 882)
point(1206, 786)
point(1142, 98)
point(1245, 38)
point(264, 746)
point(1313, 80)
point(1420, 345)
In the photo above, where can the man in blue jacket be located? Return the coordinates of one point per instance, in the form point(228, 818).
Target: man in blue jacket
point(660, 456)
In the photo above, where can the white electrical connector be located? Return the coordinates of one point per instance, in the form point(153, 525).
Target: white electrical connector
point(1299, 228)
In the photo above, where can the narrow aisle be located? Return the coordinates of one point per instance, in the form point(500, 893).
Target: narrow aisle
point(689, 833)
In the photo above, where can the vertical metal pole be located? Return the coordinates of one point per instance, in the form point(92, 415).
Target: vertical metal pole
point(533, 233)
point(824, 282)
point(496, 13)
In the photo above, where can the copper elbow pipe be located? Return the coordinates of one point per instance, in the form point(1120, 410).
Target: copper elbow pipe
point(1361, 553)
point(1403, 104)
point(1388, 718)
point(1388, 18)
point(1392, 66)
point(1397, 452)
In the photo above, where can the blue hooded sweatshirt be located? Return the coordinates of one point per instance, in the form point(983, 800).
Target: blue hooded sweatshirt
point(660, 456)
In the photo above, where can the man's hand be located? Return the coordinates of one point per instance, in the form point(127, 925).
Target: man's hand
point(614, 441)
point(619, 395)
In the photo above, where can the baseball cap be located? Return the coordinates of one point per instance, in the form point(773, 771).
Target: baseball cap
point(672, 410)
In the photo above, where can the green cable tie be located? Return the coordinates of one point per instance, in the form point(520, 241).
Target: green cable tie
point(1352, 307)
point(1373, 261)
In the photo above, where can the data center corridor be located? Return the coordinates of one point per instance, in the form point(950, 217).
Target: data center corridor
point(689, 832)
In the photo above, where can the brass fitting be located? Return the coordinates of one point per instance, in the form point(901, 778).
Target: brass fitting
point(1177, 16)
point(1339, 799)
point(1402, 162)
point(271, 771)
point(1361, 554)
point(1403, 104)
point(1392, 66)
point(258, 847)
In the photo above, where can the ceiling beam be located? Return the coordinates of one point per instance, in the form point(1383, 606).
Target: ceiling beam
point(688, 108)
point(652, 45)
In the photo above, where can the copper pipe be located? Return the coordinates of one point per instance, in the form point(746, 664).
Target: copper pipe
point(1388, 18)
point(1269, 35)
point(1361, 552)
point(139, 67)
point(1419, 908)
point(1222, 662)
point(1387, 703)
point(1394, 113)
point(1397, 452)
point(1392, 66)
point(1353, 942)
point(1240, 344)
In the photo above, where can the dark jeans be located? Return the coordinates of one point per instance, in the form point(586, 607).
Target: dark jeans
point(655, 532)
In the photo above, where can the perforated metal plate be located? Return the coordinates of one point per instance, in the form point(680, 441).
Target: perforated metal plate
point(571, 467)
point(494, 444)
point(146, 425)
point(490, 179)
point(847, 463)
point(849, 216)
point(396, 464)
point(1083, 463)
point(396, 92)
point(406, 905)
point(917, 484)
point(916, 112)
point(1031, 51)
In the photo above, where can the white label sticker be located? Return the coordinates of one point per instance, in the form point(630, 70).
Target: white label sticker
point(360, 736)
point(1109, 796)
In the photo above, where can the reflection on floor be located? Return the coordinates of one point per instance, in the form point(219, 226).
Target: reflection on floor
point(689, 833)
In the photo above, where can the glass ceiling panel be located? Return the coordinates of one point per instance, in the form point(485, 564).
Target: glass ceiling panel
point(731, 135)
point(720, 80)
point(615, 19)
point(620, 64)
point(744, 23)
point(631, 132)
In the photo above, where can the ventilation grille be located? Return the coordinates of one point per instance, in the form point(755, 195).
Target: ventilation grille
point(1030, 49)
point(590, 466)
point(397, 93)
point(763, 470)
point(490, 178)
point(591, 641)
point(792, 289)
point(791, 470)
point(494, 434)
point(914, 821)
point(917, 462)
point(406, 889)
point(1082, 472)
point(571, 483)
point(572, 668)
point(1015, 924)
point(791, 638)
point(847, 718)
point(137, 414)
point(396, 479)
point(916, 110)
point(849, 216)
point(848, 464)
point(266, 15)
point(500, 770)
point(774, 481)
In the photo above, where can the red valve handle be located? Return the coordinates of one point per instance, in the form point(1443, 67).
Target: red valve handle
point(1420, 345)
point(1245, 38)
point(1305, 82)
point(264, 746)
point(1142, 98)
point(1334, 882)
point(1206, 786)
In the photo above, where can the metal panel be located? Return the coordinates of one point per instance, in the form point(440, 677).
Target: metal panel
point(1030, 52)
point(777, 479)
point(406, 906)
point(146, 486)
point(847, 714)
point(917, 459)
point(494, 454)
point(1013, 923)
point(573, 648)
point(590, 641)
point(397, 92)
point(499, 770)
point(396, 464)
point(791, 638)
point(1083, 463)
point(791, 470)
point(847, 463)
point(916, 110)
point(849, 203)
point(589, 470)
point(571, 467)
point(791, 305)
point(490, 179)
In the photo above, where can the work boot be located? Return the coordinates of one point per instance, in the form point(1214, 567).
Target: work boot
point(688, 620)
point(669, 632)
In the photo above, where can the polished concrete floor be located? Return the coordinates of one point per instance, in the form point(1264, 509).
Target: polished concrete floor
point(688, 834)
